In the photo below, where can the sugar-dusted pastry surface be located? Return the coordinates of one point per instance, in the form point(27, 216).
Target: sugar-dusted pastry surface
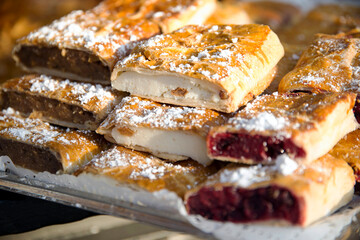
point(305, 126)
point(139, 112)
point(215, 66)
point(38, 146)
point(330, 64)
point(144, 171)
point(286, 193)
point(348, 148)
point(170, 132)
point(60, 101)
point(91, 39)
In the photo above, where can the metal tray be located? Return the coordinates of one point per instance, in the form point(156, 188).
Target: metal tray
point(133, 211)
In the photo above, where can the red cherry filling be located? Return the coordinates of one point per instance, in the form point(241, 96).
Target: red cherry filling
point(257, 147)
point(356, 108)
point(246, 205)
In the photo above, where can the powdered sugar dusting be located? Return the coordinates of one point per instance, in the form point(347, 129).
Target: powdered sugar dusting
point(141, 165)
point(36, 132)
point(204, 55)
point(262, 122)
point(134, 111)
point(246, 176)
point(82, 92)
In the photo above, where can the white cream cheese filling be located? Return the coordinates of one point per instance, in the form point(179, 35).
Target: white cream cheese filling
point(165, 143)
point(161, 87)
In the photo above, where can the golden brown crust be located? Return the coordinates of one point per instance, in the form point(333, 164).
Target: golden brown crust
point(324, 185)
point(135, 112)
point(96, 100)
point(348, 149)
point(329, 64)
point(103, 30)
point(72, 148)
point(144, 171)
point(233, 59)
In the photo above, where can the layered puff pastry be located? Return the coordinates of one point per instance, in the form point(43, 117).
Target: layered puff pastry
point(219, 67)
point(303, 126)
point(170, 132)
point(283, 194)
point(348, 148)
point(330, 64)
point(144, 171)
point(84, 45)
point(59, 101)
point(38, 146)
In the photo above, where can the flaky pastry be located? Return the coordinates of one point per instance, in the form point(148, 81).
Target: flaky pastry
point(170, 132)
point(144, 171)
point(36, 145)
point(284, 194)
point(348, 148)
point(219, 67)
point(59, 101)
point(84, 45)
point(330, 64)
point(304, 126)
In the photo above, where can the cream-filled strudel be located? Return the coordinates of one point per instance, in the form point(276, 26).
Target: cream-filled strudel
point(38, 146)
point(219, 67)
point(303, 126)
point(59, 101)
point(144, 171)
point(330, 64)
point(287, 193)
point(84, 45)
point(169, 132)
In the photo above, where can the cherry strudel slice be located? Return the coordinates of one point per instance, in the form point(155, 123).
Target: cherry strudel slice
point(58, 101)
point(169, 132)
point(281, 194)
point(219, 67)
point(304, 126)
point(84, 45)
point(144, 171)
point(38, 146)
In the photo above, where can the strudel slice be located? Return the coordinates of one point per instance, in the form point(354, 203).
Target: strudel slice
point(304, 126)
point(58, 101)
point(281, 194)
point(219, 67)
point(35, 145)
point(143, 171)
point(348, 148)
point(330, 64)
point(169, 132)
point(84, 45)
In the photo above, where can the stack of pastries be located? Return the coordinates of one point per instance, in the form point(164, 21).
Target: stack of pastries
point(233, 106)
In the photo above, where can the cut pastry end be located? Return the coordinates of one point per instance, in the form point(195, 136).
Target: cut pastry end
point(171, 145)
point(251, 148)
point(247, 205)
point(66, 63)
point(303, 138)
point(180, 90)
point(300, 195)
